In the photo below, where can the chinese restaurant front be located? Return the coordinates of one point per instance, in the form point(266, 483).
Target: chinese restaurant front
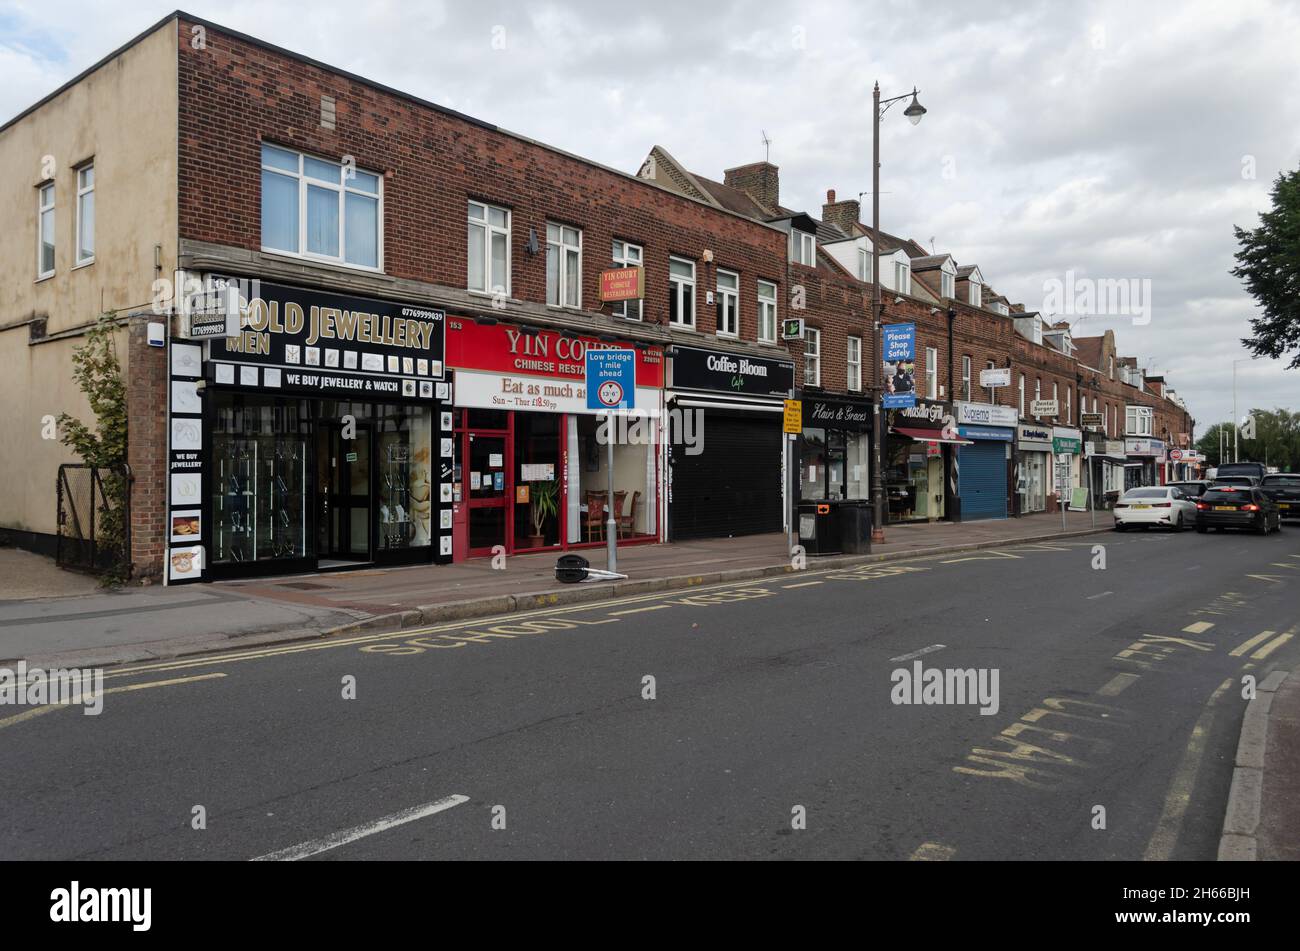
point(309, 438)
point(529, 470)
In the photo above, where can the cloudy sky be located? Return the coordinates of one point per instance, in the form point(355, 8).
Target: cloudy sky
point(1117, 140)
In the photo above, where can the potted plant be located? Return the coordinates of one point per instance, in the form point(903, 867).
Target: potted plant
point(545, 502)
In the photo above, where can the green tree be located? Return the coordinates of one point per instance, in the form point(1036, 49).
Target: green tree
point(1209, 442)
point(98, 373)
point(1277, 439)
point(1268, 262)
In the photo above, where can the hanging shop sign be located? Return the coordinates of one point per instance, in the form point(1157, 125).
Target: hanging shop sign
point(1144, 447)
point(1091, 420)
point(1044, 407)
point(986, 414)
point(695, 368)
point(622, 283)
point(898, 350)
point(1066, 441)
point(836, 414)
point(300, 340)
point(995, 377)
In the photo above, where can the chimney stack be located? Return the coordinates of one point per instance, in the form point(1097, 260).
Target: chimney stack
point(760, 181)
point(845, 214)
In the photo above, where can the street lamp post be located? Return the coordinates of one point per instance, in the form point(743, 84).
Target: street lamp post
point(1236, 420)
point(914, 111)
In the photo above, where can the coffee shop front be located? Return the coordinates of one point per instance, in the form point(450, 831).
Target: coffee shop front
point(529, 469)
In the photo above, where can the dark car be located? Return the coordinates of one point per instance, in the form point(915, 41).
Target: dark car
point(1284, 489)
point(1244, 481)
point(1192, 488)
point(1253, 470)
point(1227, 506)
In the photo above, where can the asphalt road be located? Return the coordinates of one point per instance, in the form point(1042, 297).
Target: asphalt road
point(1118, 689)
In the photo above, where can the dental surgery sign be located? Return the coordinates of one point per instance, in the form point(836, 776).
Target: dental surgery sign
point(899, 373)
point(611, 379)
point(305, 341)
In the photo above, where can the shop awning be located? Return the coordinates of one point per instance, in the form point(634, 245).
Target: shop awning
point(930, 435)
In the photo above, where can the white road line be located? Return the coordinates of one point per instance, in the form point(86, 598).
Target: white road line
point(1198, 627)
point(317, 846)
point(1094, 597)
point(924, 650)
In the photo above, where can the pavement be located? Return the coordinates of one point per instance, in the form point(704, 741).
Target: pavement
point(1263, 813)
point(757, 718)
point(141, 623)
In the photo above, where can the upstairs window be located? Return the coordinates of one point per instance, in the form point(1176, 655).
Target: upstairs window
point(767, 311)
point(86, 214)
point(728, 303)
point(1001, 308)
point(681, 292)
point(489, 249)
point(946, 285)
point(563, 266)
point(803, 248)
point(45, 230)
point(864, 264)
point(902, 277)
point(812, 357)
point(315, 208)
point(627, 255)
point(931, 373)
point(853, 363)
point(976, 294)
point(965, 378)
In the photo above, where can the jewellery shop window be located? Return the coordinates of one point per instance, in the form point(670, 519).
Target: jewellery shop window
point(260, 504)
point(405, 483)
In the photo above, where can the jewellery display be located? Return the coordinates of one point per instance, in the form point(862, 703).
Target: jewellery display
point(258, 508)
point(396, 529)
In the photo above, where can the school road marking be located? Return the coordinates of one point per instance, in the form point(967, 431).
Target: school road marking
point(316, 846)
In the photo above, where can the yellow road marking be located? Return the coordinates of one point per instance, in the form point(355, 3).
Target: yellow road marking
point(1117, 685)
point(1284, 564)
point(51, 707)
point(1274, 579)
point(988, 556)
point(1165, 837)
point(653, 607)
point(802, 584)
point(1241, 649)
point(1198, 627)
point(933, 852)
point(1271, 646)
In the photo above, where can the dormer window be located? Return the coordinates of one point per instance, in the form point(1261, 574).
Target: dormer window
point(1001, 308)
point(902, 277)
point(976, 294)
point(803, 248)
point(864, 264)
point(946, 285)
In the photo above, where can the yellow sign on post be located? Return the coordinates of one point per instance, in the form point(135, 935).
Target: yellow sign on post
point(793, 417)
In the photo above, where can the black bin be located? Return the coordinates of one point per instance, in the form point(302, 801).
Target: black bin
point(819, 528)
point(855, 526)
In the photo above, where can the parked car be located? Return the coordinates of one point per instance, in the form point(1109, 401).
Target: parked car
point(1160, 505)
point(1284, 489)
point(1243, 481)
point(1230, 506)
point(1253, 470)
point(1192, 488)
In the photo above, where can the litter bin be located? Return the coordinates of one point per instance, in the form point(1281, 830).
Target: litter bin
point(819, 528)
point(855, 526)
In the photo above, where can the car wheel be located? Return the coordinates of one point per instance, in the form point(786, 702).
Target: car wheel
point(1120, 528)
point(1262, 527)
point(1178, 523)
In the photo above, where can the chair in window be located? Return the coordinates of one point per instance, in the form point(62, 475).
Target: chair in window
point(627, 523)
point(595, 518)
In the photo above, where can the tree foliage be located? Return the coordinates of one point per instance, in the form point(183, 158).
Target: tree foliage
point(1268, 262)
point(1276, 442)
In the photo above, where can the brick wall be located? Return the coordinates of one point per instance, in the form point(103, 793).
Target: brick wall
point(146, 395)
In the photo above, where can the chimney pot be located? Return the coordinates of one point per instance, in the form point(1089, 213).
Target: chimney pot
point(830, 196)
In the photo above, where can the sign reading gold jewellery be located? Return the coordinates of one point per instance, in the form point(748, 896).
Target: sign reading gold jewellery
point(307, 341)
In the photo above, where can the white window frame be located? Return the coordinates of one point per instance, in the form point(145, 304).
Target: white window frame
point(931, 373)
point(1069, 406)
point(680, 287)
point(853, 363)
point(947, 285)
point(990, 390)
point(627, 254)
point(488, 230)
point(864, 264)
point(565, 251)
point(965, 377)
point(1138, 420)
point(803, 245)
point(731, 297)
point(812, 357)
point(42, 209)
point(1022, 396)
point(1002, 308)
point(976, 296)
point(343, 189)
point(768, 319)
point(903, 277)
point(85, 192)
point(1038, 393)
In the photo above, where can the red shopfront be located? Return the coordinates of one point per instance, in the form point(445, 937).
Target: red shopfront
point(529, 473)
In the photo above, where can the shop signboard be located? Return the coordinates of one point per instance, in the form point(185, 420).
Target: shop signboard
point(300, 340)
point(836, 414)
point(622, 283)
point(995, 377)
point(987, 414)
point(898, 350)
point(695, 368)
point(1067, 445)
point(1091, 420)
point(1044, 407)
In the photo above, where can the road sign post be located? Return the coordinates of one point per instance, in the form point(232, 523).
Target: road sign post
point(611, 386)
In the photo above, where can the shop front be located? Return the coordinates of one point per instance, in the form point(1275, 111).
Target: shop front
point(1067, 445)
point(529, 465)
point(835, 450)
point(1146, 458)
point(308, 439)
point(725, 455)
point(1034, 469)
point(1106, 466)
point(984, 466)
point(918, 450)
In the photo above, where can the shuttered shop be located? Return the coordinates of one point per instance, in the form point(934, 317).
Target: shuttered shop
point(982, 473)
point(732, 487)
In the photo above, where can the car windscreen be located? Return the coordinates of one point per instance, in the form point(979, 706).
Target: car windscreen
point(1242, 468)
point(1145, 494)
point(1188, 488)
point(1221, 495)
point(1235, 480)
point(1282, 481)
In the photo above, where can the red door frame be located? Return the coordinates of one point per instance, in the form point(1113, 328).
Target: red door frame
point(505, 502)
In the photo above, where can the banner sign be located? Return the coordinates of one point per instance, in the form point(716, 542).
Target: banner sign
point(899, 356)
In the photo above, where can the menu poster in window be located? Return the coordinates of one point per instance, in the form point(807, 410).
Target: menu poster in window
point(496, 460)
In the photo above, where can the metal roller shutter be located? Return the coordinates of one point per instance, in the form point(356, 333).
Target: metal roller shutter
point(733, 487)
point(982, 481)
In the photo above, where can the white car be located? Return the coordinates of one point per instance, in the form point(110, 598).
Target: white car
point(1161, 505)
